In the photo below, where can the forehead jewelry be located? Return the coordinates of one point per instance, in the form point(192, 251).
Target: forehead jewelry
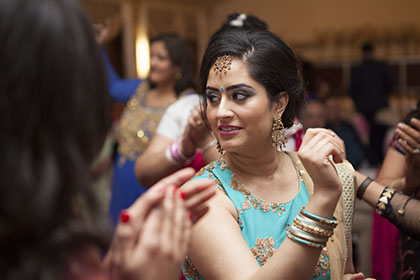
point(222, 89)
point(222, 64)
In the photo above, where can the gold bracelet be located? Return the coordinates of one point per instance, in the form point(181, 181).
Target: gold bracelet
point(308, 238)
point(320, 232)
point(324, 221)
point(401, 211)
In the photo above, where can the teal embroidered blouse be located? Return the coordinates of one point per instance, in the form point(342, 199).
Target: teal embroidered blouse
point(263, 224)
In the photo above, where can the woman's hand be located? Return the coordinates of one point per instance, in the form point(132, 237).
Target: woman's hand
point(196, 133)
point(102, 31)
point(154, 232)
point(412, 178)
point(318, 147)
point(410, 142)
point(356, 276)
point(410, 136)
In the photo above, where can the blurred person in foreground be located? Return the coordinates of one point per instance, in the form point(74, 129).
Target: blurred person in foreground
point(54, 119)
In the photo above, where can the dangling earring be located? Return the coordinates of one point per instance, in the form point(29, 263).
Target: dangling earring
point(278, 134)
point(178, 75)
point(219, 148)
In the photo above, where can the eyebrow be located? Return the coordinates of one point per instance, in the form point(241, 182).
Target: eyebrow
point(232, 87)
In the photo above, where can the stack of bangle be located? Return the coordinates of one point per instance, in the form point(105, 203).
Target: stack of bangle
point(311, 230)
point(173, 154)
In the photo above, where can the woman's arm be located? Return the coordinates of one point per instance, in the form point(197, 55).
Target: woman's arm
point(120, 89)
point(152, 164)
point(404, 211)
point(392, 168)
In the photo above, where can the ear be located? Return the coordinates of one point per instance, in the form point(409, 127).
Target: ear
point(281, 104)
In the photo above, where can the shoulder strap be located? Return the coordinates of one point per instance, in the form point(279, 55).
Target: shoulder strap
point(347, 177)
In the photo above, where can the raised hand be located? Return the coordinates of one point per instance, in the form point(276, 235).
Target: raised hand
point(320, 147)
point(410, 136)
point(154, 232)
point(102, 31)
point(196, 133)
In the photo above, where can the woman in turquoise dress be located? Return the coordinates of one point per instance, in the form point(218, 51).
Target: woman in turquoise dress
point(170, 77)
point(278, 215)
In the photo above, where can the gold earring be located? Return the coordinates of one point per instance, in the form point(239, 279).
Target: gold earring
point(278, 134)
point(219, 148)
point(178, 75)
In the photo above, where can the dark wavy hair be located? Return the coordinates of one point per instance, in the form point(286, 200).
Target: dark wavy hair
point(269, 61)
point(180, 56)
point(54, 116)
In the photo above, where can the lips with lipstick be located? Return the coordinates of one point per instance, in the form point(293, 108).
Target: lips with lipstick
point(228, 129)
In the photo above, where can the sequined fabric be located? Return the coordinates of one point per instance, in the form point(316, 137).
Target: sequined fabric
point(138, 125)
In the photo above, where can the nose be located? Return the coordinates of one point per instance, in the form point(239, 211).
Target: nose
point(152, 60)
point(224, 109)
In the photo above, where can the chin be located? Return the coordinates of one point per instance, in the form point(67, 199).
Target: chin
point(153, 79)
point(230, 147)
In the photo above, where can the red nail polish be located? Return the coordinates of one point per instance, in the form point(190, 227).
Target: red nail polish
point(125, 217)
point(182, 195)
point(190, 216)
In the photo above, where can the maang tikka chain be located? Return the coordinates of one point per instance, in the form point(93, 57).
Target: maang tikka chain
point(222, 64)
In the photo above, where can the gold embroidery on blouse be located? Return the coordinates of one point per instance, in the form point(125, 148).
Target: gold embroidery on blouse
point(200, 172)
point(190, 270)
point(237, 185)
point(138, 125)
point(323, 264)
point(256, 203)
point(264, 249)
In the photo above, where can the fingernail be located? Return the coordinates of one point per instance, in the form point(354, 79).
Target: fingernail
point(125, 217)
point(182, 195)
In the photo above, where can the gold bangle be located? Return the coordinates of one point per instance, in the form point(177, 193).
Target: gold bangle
point(306, 237)
point(312, 229)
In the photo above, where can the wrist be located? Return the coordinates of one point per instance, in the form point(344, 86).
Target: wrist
point(175, 155)
point(187, 148)
point(323, 203)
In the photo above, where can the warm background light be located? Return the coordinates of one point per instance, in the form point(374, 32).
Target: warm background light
point(142, 56)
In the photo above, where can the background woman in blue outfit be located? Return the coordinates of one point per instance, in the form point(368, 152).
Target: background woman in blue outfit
point(170, 76)
point(278, 215)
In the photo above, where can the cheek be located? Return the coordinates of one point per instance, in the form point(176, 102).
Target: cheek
point(211, 117)
point(168, 67)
